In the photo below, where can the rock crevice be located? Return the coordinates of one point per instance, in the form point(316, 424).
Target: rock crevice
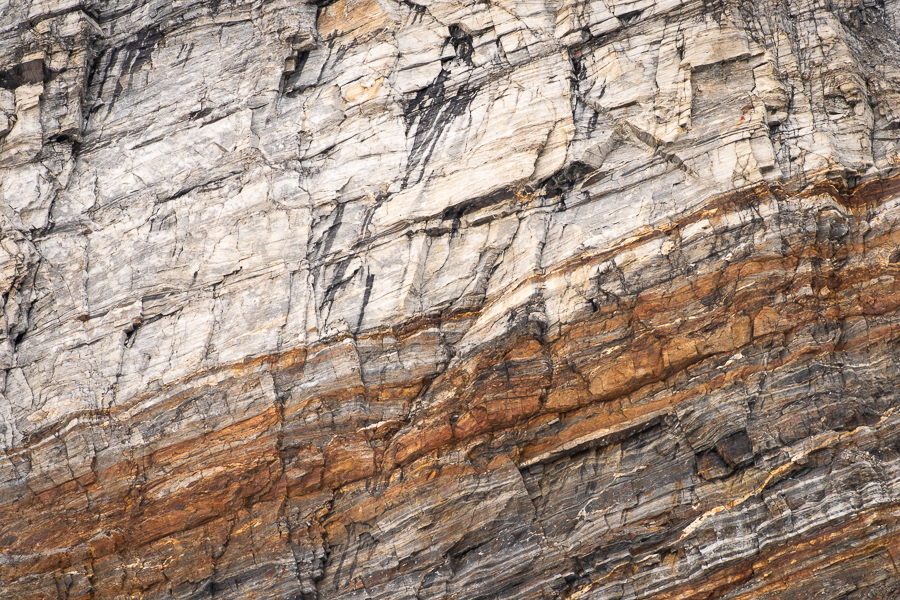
point(449, 299)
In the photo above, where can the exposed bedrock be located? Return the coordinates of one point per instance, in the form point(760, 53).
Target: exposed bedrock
point(449, 299)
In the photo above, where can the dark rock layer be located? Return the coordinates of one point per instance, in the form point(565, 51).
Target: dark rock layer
point(450, 300)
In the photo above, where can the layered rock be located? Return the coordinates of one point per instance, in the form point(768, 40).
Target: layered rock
point(449, 299)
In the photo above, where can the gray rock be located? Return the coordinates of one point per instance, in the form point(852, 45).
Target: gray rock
point(449, 299)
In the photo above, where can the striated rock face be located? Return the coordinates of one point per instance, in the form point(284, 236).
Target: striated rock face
point(450, 299)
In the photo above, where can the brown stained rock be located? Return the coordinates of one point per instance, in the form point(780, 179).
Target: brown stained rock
point(711, 465)
point(354, 18)
point(530, 390)
point(461, 299)
point(569, 390)
point(347, 460)
point(735, 449)
point(504, 396)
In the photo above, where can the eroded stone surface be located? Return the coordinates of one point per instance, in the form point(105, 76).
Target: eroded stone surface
point(449, 299)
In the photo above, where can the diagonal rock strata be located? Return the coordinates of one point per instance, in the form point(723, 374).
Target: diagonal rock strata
point(376, 299)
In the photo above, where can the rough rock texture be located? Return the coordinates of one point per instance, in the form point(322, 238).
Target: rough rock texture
point(450, 299)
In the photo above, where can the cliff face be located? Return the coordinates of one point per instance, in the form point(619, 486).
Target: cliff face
point(450, 299)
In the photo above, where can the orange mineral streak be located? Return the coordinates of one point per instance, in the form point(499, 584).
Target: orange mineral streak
point(358, 18)
point(551, 397)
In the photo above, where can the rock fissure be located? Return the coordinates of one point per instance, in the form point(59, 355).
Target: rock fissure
point(525, 300)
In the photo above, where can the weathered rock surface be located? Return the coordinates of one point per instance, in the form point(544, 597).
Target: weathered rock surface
point(450, 299)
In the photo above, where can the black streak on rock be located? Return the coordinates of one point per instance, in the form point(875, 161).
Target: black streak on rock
point(430, 112)
point(462, 44)
point(370, 279)
point(22, 74)
point(139, 51)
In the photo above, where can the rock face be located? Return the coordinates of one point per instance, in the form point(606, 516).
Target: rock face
point(456, 299)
